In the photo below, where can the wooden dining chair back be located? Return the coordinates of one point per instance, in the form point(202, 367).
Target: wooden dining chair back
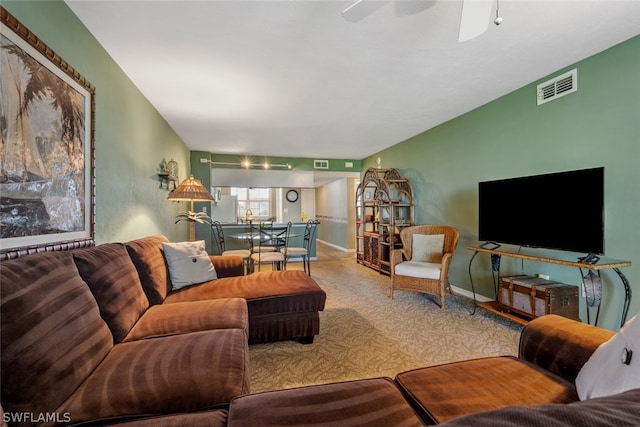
point(422, 264)
point(272, 241)
point(304, 251)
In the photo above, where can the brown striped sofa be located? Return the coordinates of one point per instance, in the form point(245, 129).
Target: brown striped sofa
point(534, 389)
point(95, 336)
point(537, 388)
point(281, 304)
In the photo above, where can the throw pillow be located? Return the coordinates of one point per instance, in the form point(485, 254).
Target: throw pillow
point(615, 366)
point(188, 263)
point(427, 247)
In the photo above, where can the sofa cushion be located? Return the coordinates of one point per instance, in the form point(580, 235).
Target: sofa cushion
point(193, 316)
point(215, 418)
point(560, 345)
point(52, 334)
point(370, 402)
point(188, 263)
point(176, 374)
point(115, 284)
point(147, 256)
point(443, 392)
point(620, 410)
point(267, 292)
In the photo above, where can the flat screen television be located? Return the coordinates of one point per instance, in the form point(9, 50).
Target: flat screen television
point(563, 211)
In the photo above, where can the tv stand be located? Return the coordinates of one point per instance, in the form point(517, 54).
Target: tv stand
point(589, 262)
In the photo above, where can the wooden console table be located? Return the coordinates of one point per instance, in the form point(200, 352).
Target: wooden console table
point(599, 264)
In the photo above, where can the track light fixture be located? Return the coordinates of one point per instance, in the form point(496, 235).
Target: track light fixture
point(247, 163)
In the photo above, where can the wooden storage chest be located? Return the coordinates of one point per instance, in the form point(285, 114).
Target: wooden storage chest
point(532, 297)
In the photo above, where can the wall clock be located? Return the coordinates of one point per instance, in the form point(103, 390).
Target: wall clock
point(292, 196)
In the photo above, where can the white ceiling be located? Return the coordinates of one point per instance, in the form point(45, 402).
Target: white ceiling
point(298, 79)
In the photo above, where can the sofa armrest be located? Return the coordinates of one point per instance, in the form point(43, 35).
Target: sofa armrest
point(228, 265)
point(560, 345)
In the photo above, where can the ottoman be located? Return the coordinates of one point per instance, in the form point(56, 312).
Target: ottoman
point(281, 304)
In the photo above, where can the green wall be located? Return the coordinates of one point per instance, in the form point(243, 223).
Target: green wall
point(596, 126)
point(132, 139)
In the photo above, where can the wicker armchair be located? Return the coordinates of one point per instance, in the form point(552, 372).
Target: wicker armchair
point(418, 275)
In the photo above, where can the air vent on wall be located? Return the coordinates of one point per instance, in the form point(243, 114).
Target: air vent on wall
point(321, 164)
point(558, 86)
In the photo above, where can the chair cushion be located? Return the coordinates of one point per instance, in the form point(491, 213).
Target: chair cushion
point(244, 253)
point(296, 251)
point(188, 263)
point(440, 393)
point(180, 373)
point(423, 270)
point(268, 257)
point(427, 247)
point(115, 284)
point(370, 402)
point(193, 316)
point(52, 334)
point(148, 257)
point(605, 373)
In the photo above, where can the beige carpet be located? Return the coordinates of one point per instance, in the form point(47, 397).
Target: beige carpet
point(365, 334)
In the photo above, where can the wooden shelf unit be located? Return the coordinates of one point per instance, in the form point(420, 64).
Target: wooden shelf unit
point(384, 205)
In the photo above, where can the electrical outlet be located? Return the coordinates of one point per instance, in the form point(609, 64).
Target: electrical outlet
point(204, 209)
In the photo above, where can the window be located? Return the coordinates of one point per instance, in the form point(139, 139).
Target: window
point(256, 199)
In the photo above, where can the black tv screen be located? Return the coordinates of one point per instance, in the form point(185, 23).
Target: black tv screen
point(563, 211)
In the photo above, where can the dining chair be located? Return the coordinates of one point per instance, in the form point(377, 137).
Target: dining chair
point(217, 235)
point(423, 263)
point(272, 241)
point(304, 251)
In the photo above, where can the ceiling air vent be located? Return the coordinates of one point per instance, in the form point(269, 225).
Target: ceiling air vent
point(321, 164)
point(558, 86)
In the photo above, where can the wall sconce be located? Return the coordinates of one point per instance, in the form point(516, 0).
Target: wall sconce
point(247, 163)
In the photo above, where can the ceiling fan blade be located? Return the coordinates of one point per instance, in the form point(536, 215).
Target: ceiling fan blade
point(474, 19)
point(346, 11)
point(360, 9)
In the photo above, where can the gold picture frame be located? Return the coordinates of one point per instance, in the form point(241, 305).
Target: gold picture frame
point(47, 195)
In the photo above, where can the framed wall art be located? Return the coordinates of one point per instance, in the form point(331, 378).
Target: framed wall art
point(47, 147)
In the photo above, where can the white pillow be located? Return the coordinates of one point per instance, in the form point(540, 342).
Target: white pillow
point(427, 247)
point(189, 263)
point(605, 373)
